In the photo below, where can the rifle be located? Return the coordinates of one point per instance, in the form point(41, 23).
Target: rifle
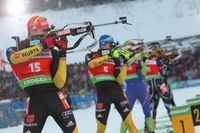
point(87, 29)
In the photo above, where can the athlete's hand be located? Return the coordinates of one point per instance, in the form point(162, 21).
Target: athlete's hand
point(61, 43)
point(49, 42)
point(123, 54)
point(145, 56)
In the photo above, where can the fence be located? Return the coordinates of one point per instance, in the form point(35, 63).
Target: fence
point(184, 84)
point(12, 112)
point(8, 116)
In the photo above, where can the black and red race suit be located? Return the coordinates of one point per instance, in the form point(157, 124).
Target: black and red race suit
point(35, 77)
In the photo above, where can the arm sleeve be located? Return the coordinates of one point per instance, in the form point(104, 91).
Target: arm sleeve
point(117, 67)
point(16, 57)
point(141, 69)
point(92, 63)
point(162, 68)
point(119, 71)
point(144, 68)
point(59, 70)
point(61, 73)
point(122, 74)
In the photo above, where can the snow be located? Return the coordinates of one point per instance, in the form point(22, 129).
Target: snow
point(86, 121)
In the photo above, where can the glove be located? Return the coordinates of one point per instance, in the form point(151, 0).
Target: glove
point(49, 42)
point(61, 44)
point(145, 56)
point(124, 54)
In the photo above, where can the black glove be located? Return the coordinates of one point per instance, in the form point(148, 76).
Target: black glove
point(61, 44)
point(145, 56)
point(117, 62)
point(125, 59)
point(117, 66)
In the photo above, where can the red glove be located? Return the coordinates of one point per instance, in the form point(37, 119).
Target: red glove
point(61, 43)
point(50, 42)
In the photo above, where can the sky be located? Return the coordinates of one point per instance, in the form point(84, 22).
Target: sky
point(151, 20)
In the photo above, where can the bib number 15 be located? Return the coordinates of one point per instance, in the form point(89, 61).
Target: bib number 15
point(35, 67)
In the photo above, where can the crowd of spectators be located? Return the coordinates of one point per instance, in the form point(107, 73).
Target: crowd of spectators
point(8, 85)
point(78, 79)
point(79, 82)
point(187, 67)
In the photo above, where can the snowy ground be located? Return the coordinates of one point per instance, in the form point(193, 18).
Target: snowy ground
point(86, 118)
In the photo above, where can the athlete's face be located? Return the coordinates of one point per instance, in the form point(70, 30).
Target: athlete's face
point(39, 32)
point(106, 46)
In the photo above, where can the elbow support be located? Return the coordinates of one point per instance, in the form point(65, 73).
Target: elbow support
point(25, 54)
point(98, 61)
point(122, 75)
point(61, 74)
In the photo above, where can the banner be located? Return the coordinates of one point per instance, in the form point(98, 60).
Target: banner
point(184, 84)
